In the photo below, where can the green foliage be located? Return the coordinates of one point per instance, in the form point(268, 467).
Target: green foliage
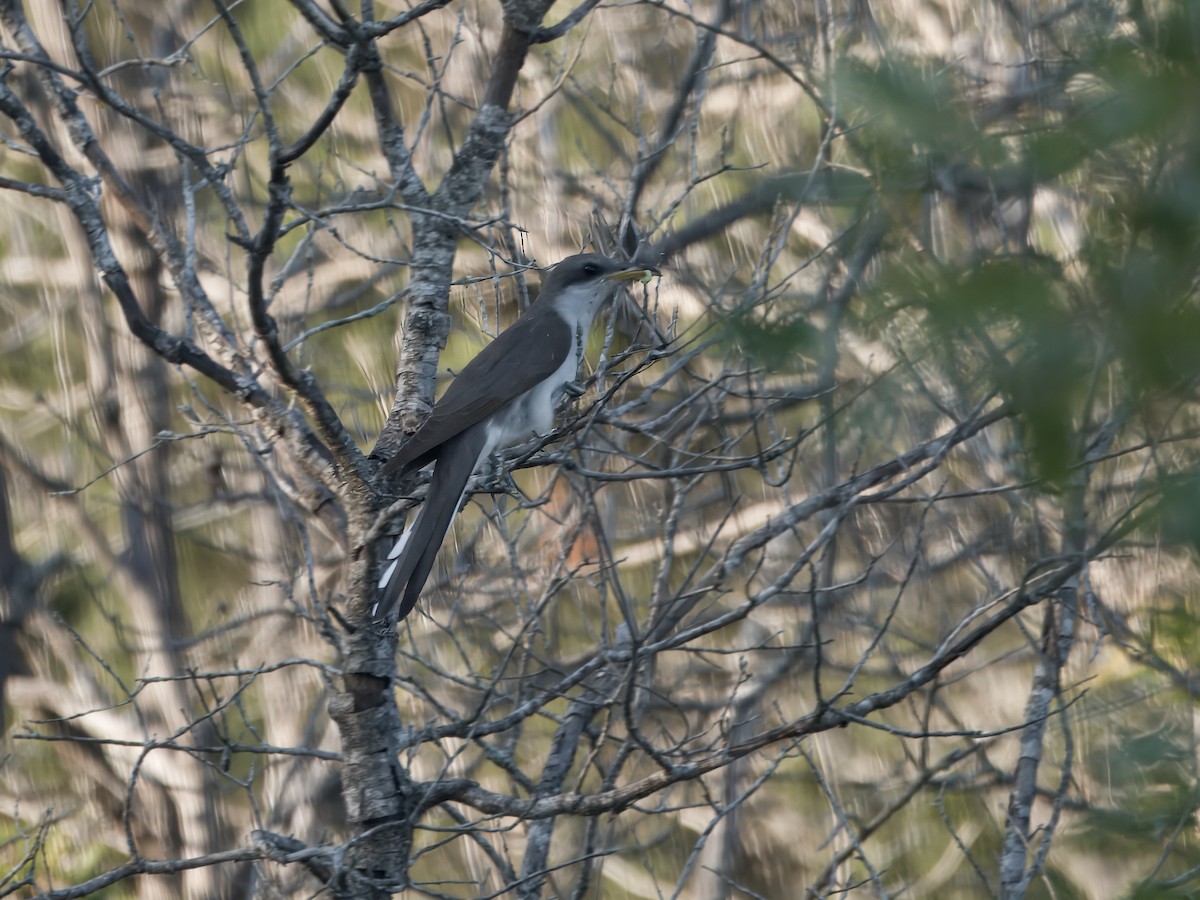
point(1048, 336)
point(780, 343)
point(908, 112)
point(1178, 512)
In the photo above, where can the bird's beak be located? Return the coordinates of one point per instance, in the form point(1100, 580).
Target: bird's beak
point(642, 274)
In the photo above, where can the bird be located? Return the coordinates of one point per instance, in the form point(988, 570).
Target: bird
point(507, 394)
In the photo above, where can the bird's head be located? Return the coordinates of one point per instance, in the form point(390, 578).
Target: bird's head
point(578, 285)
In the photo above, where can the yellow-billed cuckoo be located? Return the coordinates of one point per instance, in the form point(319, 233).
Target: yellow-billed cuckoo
point(506, 394)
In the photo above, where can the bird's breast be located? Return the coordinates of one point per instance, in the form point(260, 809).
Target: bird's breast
point(533, 412)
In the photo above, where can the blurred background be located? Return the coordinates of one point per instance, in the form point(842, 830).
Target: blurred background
point(867, 565)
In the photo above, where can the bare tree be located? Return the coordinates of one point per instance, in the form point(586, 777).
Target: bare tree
point(865, 563)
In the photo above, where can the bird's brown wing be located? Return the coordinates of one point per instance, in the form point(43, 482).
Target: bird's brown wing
point(521, 357)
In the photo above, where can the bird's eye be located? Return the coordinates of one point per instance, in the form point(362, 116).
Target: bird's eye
point(591, 269)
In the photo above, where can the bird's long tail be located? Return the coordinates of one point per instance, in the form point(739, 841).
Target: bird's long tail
point(416, 549)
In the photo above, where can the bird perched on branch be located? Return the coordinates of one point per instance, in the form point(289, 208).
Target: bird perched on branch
point(505, 395)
